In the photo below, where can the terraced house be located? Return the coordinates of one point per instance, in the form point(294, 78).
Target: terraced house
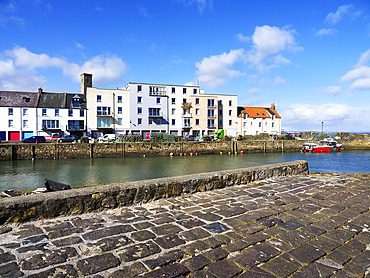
point(26, 114)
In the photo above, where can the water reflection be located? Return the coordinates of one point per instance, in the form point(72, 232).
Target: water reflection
point(28, 174)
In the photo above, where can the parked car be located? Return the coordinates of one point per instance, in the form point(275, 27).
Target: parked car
point(68, 138)
point(34, 139)
point(107, 138)
point(190, 138)
point(56, 135)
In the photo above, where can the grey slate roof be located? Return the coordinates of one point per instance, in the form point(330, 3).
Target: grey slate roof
point(18, 99)
point(52, 100)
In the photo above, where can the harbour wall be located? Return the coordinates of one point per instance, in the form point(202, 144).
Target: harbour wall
point(88, 199)
point(105, 150)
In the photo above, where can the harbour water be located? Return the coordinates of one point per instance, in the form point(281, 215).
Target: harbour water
point(28, 174)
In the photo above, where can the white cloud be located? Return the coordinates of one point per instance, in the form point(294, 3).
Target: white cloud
point(254, 91)
point(360, 75)
point(215, 71)
point(330, 90)
point(79, 46)
point(243, 38)
point(325, 32)
point(335, 116)
point(21, 64)
point(268, 42)
point(333, 18)
point(201, 4)
point(278, 80)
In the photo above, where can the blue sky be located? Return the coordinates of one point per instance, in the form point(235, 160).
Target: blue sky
point(310, 58)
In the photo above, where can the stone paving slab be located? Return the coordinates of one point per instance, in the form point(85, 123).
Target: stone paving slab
point(297, 226)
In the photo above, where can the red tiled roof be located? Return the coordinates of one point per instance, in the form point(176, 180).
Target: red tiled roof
point(259, 112)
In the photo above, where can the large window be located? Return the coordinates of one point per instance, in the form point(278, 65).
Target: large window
point(50, 124)
point(211, 103)
point(104, 122)
point(210, 123)
point(154, 112)
point(103, 111)
point(75, 125)
point(210, 113)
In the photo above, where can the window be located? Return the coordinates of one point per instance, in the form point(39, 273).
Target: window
point(43, 111)
point(10, 123)
point(76, 102)
point(139, 88)
point(150, 121)
point(272, 124)
point(211, 123)
point(70, 112)
point(158, 121)
point(230, 103)
point(119, 110)
point(230, 112)
point(184, 111)
point(56, 112)
point(186, 122)
point(211, 113)
point(196, 121)
point(25, 112)
point(140, 110)
point(197, 111)
point(10, 111)
point(259, 124)
point(154, 112)
point(158, 100)
point(230, 122)
point(82, 113)
point(139, 121)
point(211, 103)
point(139, 99)
point(98, 98)
point(173, 90)
point(184, 100)
point(119, 99)
point(104, 122)
point(103, 111)
point(173, 121)
point(50, 124)
point(197, 100)
point(195, 91)
point(75, 125)
point(119, 122)
point(251, 123)
point(173, 101)
point(244, 124)
point(25, 123)
point(265, 123)
point(173, 111)
point(184, 90)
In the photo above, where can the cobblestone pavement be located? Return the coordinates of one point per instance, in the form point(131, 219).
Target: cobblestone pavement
point(298, 226)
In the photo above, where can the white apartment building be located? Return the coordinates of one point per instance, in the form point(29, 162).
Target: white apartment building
point(257, 120)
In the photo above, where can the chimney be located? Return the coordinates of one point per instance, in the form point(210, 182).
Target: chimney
point(86, 82)
point(273, 106)
point(40, 90)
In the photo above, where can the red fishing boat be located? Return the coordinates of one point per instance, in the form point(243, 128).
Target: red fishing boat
point(327, 145)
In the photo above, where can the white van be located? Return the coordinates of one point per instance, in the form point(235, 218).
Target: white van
point(107, 138)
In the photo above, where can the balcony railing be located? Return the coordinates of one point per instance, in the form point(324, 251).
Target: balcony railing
point(103, 114)
point(75, 127)
point(155, 115)
point(187, 115)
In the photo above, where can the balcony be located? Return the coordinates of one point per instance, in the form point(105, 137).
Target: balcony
point(186, 126)
point(187, 115)
point(211, 127)
point(75, 127)
point(157, 91)
point(155, 115)
point(186, 105)
point(103, 114)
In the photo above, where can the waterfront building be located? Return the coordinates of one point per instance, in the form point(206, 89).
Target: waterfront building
point(26, 114)
point(257, 120)
point(144, 108)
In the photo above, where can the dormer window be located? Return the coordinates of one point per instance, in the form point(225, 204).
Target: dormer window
point(76, 102)
point(26, 99)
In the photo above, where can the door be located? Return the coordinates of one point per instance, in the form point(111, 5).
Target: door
point(14, 136)
point(2, 136)
point(27, 134)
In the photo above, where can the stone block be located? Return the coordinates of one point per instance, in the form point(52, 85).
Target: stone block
point(97, 263)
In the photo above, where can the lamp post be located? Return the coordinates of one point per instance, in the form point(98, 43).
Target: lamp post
point(322, 127)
